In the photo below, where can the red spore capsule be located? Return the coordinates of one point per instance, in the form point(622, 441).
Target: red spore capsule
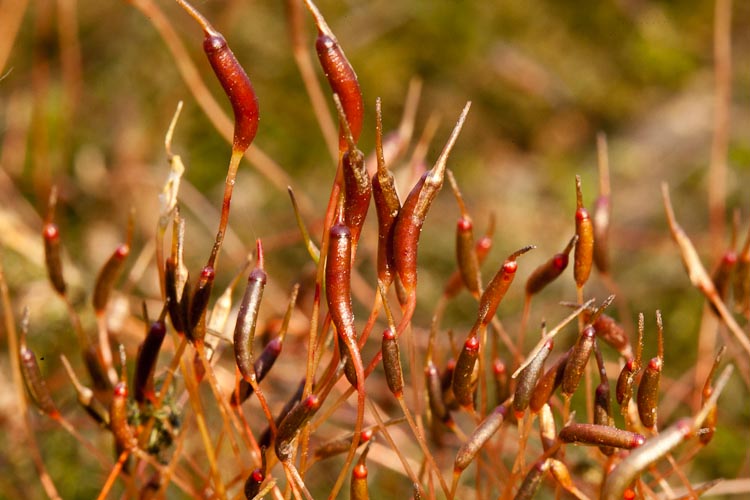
point(463, 386)
point(237, 87)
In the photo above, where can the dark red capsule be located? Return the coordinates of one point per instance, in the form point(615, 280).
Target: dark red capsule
point(549, 271)
point(52, 257)
point(394, 376)
point(236, 85)
point(291, 425)
point(498, 287)
point(253, 483)
point(109, 273)
point(145, 361)
point(648, 392)
point(199, 303)
point(463, 383)
point(262, 366)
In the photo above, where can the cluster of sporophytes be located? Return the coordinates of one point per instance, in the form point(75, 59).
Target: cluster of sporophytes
point(486, 416)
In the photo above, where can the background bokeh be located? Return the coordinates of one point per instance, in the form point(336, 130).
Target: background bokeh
point(88, 89)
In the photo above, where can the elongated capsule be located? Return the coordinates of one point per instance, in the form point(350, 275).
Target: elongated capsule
point(463, 385)
point(339, 297)
point(291, 425)
point(264, 441)
point(624, 387)
point(550, 270)
point(579, 357)
point(118, 411)
point(236, 85)
point(32, 376)
point(528, 378)
point(199, 304)
point(446, 383)
point(603, 411)
point(498, 287)
point(600, 435)
point(343, 81)
point(411, 217)
point(434, 392)
point(387, 204)
point(394, 376)
point(52, 253)
point(481, 435)
point(648, 392)
point(52, 258)
point(108, 274)
point(584, 247)
point(350, 372)
point(86, 397)
point(341, 445)
point(547, 427)
point(500, 377)
point(145, 361)
point(548, 382)
point(482, 248)
point(532, 481)
point(247, 318)
point(602, 210)
point(262, 366)
point(468, 262)
point(655, 448)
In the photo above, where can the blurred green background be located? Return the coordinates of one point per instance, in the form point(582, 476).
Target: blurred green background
point(88, 90)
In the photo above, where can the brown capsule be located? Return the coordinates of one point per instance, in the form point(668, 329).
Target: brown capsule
point(236, 85)
point(579, 357)
point(52, 258)
point(600, 435)
point(648, 392)
point(411, 217)
point(174, 303)
point(145, 361)
point(341, 445)
point(262, 366)
point(434, 393)
point(624, 388)
point(463, 384)
point(550, 270)
point(584, 247)
point(466, 256)
point(498, 287)
point(118, 411)
point(109, 273)
point(247, 318)
point(500, 376)
point(291, 425)
point(387, 204)
point(532, 481)
point(199, 304)
point(481, 435)
point(481, 249)
point(528, 378)
point(613, 333)
point(446, 383)
point(264, 441)
point(394, 376)
point(548, 382)
point(32, 376)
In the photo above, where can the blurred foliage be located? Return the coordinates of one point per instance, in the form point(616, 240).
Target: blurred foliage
point(89, 88)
